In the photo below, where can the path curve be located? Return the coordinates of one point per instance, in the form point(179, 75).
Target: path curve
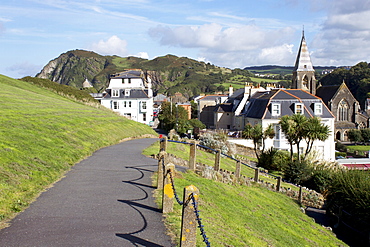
point(105, 200)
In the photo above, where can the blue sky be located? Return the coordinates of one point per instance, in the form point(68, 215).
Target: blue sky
point(232, 33)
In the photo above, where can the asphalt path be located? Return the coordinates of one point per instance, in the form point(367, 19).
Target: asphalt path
point(105, 200)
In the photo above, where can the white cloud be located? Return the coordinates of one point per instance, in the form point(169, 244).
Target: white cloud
point(113, 46)
point(233, 46)
point(144, 55)
point(24, 69)
point(344, 38)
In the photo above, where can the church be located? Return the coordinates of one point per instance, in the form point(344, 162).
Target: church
point(338, 98)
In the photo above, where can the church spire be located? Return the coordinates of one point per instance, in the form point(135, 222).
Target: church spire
point(304, 73)
point(303, 61)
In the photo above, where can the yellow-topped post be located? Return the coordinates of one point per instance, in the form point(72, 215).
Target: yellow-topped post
point(189, 220)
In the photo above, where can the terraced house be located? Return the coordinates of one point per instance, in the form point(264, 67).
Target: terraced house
point(130, 94)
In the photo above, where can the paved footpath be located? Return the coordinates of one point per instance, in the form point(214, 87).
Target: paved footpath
point(105, 200)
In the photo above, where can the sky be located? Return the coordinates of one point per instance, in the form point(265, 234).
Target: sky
point(232, 33)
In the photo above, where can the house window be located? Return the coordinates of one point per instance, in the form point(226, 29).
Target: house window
point(115, 92)
point(298, 108)
point(144, 117)
point(277, 132)
point(124, 103)
point(115, 105)
point(143, 105)
point(318, 108)
point(129, 104)
point(343, 111)
point(127, 92)
point(129, 80)
point(275, 109)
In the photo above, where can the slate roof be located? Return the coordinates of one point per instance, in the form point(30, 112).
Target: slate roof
point(260, 104)
point(134, 94)
point(211, 97)
point(326, 93)
point(225, 107)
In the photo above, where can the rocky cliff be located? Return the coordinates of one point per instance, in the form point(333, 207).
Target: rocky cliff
point(169, 74)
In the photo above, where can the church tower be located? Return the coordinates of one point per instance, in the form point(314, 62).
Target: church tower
point(303, 73)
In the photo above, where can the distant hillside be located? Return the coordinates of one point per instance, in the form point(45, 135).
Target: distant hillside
point(169, 73)
point(283, 70)
point(44, 133)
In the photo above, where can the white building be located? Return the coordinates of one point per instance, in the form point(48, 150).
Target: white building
point(130, 94)
point(268, 107)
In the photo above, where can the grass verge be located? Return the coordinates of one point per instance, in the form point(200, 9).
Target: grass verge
point(43, 134)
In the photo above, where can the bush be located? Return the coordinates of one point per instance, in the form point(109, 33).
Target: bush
point(297, 172)
point(217, 141)
point(320, 179)
point(275, 160)
point(340, 146)
point(350, 190)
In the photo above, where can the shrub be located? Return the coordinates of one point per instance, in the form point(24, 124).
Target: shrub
point(275, 160)
point(297, 171)
point(320, 178)
point(350, 190)
point(217, 141)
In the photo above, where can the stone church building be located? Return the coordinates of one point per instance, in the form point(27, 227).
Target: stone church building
point(338, 98)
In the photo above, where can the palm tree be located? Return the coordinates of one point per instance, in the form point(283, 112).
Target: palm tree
point(258, 136)
point(294, 129)
point(315, 130)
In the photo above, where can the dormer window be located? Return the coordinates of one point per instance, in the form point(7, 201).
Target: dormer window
point(275, 109)
point(298, 108)
point(318, 108)
point(127, 92)
point(115, 92)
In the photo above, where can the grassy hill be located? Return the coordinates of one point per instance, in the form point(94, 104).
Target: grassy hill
point(241, 215)
point(43, 134)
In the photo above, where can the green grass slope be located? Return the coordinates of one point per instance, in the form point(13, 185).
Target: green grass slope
point(235, 215)
point(43, 134)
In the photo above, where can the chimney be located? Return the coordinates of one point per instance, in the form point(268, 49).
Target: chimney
point(231, 90)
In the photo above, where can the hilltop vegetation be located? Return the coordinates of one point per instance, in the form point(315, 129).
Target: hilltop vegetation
point(43, 134)
point(170, 73)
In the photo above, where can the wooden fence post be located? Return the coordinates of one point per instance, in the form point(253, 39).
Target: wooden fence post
point(193, 155)
point(189, 220)
point(256, 175)
point(163, 144)
point(162, 159)
point(278, 184)
point(217, 160)
point(238, 169)
point(300, 195)
point(168, 193)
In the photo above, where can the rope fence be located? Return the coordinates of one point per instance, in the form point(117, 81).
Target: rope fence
point(190, 211)
point(218, 153)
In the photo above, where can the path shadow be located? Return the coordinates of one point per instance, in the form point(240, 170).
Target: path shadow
point(132, 203)
point(137, 240)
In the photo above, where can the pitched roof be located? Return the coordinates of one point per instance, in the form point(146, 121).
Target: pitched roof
point(303, 61)
point(260, 104)
point(326, 93)
point(225, 107)
point(134, 94)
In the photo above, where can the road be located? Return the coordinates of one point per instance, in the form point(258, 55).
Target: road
point(105, 200)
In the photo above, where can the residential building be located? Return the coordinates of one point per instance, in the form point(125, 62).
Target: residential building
point(268, 107)
point(130, 94)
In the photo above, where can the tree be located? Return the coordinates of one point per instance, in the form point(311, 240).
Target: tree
point(354, 135)
point(172, 116)
point(294, 129)
point(315, 130)
point(365, 133)
point(258, 136)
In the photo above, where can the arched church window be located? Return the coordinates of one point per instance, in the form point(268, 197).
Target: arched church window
point(343, 109)
point(305, 82)
point(337, 136)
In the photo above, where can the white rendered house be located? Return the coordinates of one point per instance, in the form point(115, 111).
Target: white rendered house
point(130, 94)
point(268, 107)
